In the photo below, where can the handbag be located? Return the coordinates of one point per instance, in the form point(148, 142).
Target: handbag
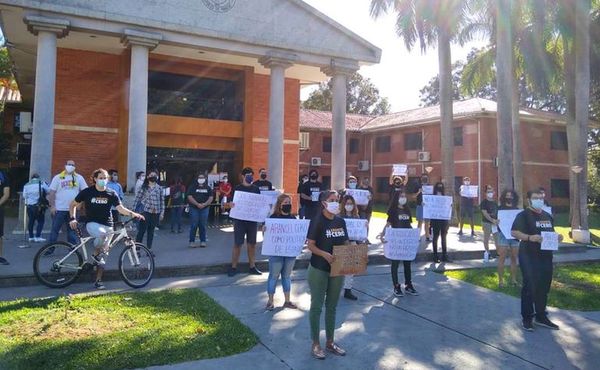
point(42, 203)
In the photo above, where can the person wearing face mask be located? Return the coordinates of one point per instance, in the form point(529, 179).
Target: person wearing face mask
point(400, 217)
point(199, 197)
point(113, 183)
point(99, 201)
point(140, 176)
point(177, 202)
point(397, 184)
point(440, 229)
point(303, 202)
point(535, 263)
point(326, 230)
point(151, 201)
point(508, 200)
point(279, 265)
point(467, 208)
point(348, 209)
point(224, 192)
point(419, 198)
point(34, 193)
point(263, 184)
point(309, 192)
point(489, 213)
point(245, 230)
point(64, 187)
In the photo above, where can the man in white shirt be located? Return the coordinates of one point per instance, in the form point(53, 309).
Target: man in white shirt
point(63, 189)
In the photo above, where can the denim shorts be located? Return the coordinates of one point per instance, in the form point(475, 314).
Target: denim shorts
point(244, 229)
point(420, 214)
point(508, 243)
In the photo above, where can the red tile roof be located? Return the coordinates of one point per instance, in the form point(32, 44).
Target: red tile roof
point(322, 120)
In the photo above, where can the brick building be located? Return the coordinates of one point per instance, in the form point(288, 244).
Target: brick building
point(413, 137)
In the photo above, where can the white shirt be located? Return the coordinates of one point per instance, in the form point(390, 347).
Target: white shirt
point(31, 191)
point(65, 191)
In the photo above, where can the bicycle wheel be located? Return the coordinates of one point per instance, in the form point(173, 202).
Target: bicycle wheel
point(136, 265)
point(56, 264)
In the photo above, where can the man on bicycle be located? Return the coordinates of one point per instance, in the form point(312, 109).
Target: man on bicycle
point(98, 200)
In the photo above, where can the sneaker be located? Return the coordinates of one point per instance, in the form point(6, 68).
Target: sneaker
point(202, 244)
point(172, 231)
point(49, 251)
point(528, 324)
point(445, 258)
point(99, 285)
point(348, 295)
point(39, 239)
point(32, 240)
point(192, 245)
point(486, 257)
point(409, 289)
point(254, 271)
point(545, 322)
point(398, 291)
point(460, 232)
point(231, 272)
point(4, 261)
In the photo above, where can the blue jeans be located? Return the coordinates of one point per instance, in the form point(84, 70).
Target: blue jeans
point(176, 218)
point(34, 215)
point(61, 218)
point(198, 220)
point(280, 265)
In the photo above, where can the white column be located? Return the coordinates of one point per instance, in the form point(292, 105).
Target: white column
point(141, 43)
point(339, 72)
point(277, 65)
point(47, 31)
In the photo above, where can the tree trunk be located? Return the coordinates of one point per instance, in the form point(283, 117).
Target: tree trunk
point(504, 80)
point(516, 141)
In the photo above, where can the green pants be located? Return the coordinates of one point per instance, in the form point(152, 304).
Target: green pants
point(323, 288)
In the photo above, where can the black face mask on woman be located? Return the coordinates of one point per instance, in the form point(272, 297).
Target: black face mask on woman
point(286, 208)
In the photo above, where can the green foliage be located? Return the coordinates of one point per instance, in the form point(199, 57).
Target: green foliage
point(594, 175)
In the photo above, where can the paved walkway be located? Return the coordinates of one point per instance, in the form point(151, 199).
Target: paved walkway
point(451, 325)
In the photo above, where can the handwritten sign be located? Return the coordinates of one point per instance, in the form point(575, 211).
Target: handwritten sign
point(250, 207)
point(549, 241)
point(437, 207)
point(361, 197)
point(357, 228)
point(284, 237)
point(401, 244)
point(469, 191)
point(399, 169)
point(427, 189)
point(349, 259)
point(507, 218)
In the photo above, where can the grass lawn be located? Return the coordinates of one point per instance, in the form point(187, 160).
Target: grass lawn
point(116, 331)
point(574, 287)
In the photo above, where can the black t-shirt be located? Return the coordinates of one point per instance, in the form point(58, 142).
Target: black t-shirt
point(98, 204)
point(3, 185)
point(308, 188)
point(290, 216)
point(491, 208)
point(326, 233)
point(394, 188)
point(263, 185)
point(200, 193)
point(532, 223)
point(400, 218)
point(177, 195)
point(248, 189)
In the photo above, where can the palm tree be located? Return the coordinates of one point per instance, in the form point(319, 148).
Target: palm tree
point(428, 22)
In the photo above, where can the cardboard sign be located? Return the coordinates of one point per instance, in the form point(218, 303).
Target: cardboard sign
point(361, 197)
point(284, 237)
point(401, 244)
point(250, 207)
point(349, 259)
point(507, 218)
point(427, 189)
point(549, 241)
point(469, 191)
point(399, 169)
point(437, 207)
point(357, 228)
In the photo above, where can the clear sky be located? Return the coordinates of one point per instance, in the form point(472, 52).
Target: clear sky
point(401, 74)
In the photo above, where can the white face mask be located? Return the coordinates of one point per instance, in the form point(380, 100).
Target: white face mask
point(304, 181)
point(352, 185)
point(467, 182)
point(537, 204)
point(69, 168)
point(348, 207)
point(142, 178)
point(225, 181)
point(490, 194)
point(201, 181)
point(333, 207)
point(401, 201)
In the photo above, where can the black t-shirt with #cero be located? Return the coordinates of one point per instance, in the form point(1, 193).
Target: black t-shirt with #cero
point(491, 208)
point(263, 185)
point(533, 223)
point(400, 218)
point(308, 188)
point(98, 204)
point(200, 193)
point(326, 233)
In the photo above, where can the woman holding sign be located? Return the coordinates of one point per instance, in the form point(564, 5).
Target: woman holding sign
point(440, 229)
point(279, 265)
point(399, 217)
point(507, 247)
point(326, 230)
point(348, 209)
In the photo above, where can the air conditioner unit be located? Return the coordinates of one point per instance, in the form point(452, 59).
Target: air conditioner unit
point(363, 165)
point(315, 161)
point(424, 156)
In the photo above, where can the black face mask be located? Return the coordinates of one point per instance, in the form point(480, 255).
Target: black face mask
point(263, 176)
point(152, 178)
point(314, 176)
point(286, 208)
point(397, 183)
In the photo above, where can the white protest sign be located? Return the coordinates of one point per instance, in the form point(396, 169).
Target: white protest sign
point(272, 195)
point(284, 237)
point(166, 191)
point(427, 189)
point(401, 244)
point(399, 169)
point(361, 197)
point(213, 178)
point(437, 207)
point(549, 241)
point(357, 228)
point(507, 218)
point(250, 206)
point(469, 191)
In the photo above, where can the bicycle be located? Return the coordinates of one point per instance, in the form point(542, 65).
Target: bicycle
point(59, 264)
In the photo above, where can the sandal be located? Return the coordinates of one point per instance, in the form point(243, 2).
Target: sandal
point(318, 352)
point(290, 305)
point(335, 349)
point(269, 306)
